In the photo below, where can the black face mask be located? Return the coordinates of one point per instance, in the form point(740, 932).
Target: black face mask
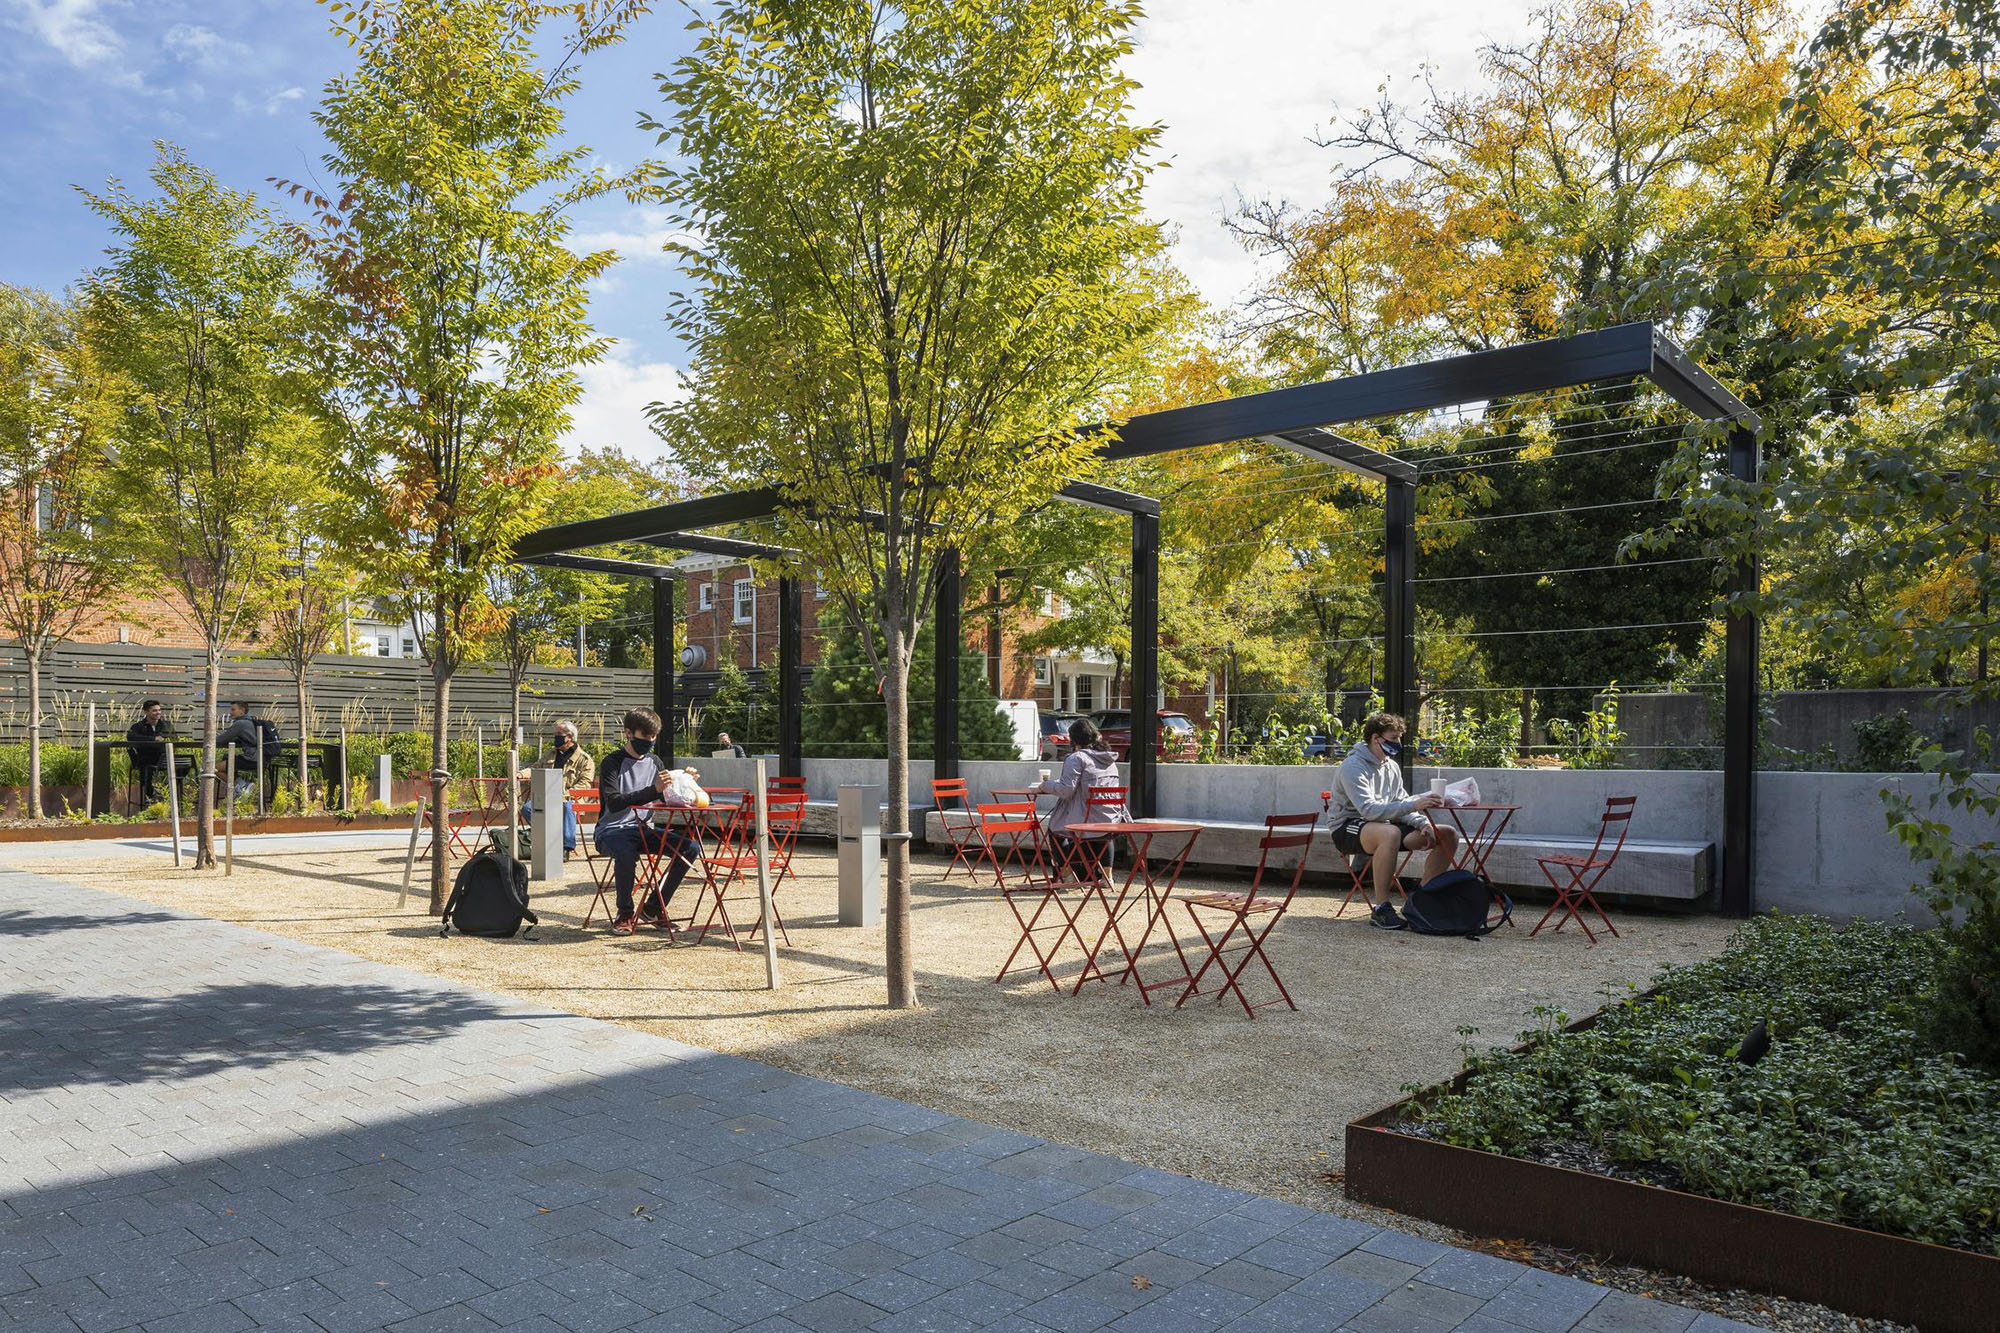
point(561, 745)
point(640, 744)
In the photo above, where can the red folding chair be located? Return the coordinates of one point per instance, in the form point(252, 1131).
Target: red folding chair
point(961, 823)
point(781, 859)
point(726, 859)
point(1361, 869)
point(1013, 825)
point(589, 807)
point(784, 812)
point(1586, 872)
point(455, 819)
point(1239, 910)
point(1085, 856)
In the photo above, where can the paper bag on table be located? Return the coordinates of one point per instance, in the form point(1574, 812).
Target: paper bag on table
point(682, 789)
point(1465, 791)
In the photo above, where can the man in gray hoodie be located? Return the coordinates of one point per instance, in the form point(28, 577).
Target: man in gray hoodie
point(1374, 815)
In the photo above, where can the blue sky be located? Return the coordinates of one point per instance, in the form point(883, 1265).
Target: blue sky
point(86, 86)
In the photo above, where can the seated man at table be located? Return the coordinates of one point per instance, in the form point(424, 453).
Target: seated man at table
point(148, 737)
point(244, 731)
point(1374, 815)
point(1090, 764)
point(578, 770)
point(633, 776)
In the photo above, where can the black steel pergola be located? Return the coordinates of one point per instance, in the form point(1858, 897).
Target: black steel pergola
point(1302, 419)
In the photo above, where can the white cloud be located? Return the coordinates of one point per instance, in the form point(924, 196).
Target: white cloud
point(640, 246)
point(72, 27)
point(271, 105)
point(203, 48)
point(1241, 88)
point(612, 412)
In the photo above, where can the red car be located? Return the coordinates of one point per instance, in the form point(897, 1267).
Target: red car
point(1177, 737)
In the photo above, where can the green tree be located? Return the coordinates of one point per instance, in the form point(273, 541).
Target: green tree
point(58, 420)
point(846, 716)
point(1885, 289)
point(313, 580)
point(920, 244)
point(193, 312)
point(452, 313)
point(539, 612)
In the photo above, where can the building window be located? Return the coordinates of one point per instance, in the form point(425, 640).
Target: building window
point(409, 647)
point(1045, 671)
point(1048, 602)
point(1085, 688)
point(746, 601)
point(705, 597)
point(819, 590)
point(381, 645)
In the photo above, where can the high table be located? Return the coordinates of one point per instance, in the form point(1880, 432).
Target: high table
point(1476, 844)
point(1153, 894)
point(187, 754)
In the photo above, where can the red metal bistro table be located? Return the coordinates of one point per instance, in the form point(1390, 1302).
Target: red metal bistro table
point(1142, 887)
point(1475, 843)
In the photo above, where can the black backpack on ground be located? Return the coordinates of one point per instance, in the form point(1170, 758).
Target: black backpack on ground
point(489, 897)
point(1457, 902)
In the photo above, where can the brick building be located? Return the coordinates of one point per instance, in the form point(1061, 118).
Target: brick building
point(728, 616)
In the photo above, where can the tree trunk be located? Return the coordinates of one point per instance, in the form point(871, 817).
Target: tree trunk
point(514, 718)
point(204, 805)
point(1527, 723)
point(305, 724)
point(1331, 685)
point(440, 813)
point(896, 820)
point(1118, 686)
point(34, 655)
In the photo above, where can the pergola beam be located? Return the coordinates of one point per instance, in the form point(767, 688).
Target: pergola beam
point(597, 564)
point(730, 546)
point(667, 520)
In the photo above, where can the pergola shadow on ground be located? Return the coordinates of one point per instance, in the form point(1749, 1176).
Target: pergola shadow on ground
point(1301, 419)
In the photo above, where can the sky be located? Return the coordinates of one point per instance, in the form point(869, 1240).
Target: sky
point(1239, 87)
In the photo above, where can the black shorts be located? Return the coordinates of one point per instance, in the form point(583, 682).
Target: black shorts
point(1347, 835)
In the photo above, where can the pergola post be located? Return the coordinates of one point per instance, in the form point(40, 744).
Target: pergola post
point(944, 688)
point(791, 736)
point(1739, 710)
point(1399, 607)
point(665, 591)
point(1145, 707)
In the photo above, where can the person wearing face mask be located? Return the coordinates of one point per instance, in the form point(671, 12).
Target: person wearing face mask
point(578, 770)
point(1375, 816)
point(633, 776)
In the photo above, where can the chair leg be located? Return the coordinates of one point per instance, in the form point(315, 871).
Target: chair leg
point(1255, 949)
point(1214, 947)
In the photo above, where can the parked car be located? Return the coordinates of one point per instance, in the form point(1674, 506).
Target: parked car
point(1178, 743)
point(1055, 735)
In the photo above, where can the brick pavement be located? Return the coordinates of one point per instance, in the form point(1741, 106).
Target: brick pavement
point(207, 1128)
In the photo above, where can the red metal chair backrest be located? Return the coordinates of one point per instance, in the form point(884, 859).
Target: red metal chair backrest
point(1019, 827)
point(1300, 834)
point(1104, 798)
point(1008, 817)
point(950, 789)
point(1618, 812)
point(788, 784)
point(586, 803)
point(784, 808)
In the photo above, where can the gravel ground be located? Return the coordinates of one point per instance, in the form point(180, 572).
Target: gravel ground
point(1202, 1090)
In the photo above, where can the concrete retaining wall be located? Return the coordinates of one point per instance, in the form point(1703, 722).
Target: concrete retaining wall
point(1823, 844)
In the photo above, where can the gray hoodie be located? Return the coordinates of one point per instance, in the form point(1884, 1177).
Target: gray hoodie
point(1373, 790)
point(1083, 771)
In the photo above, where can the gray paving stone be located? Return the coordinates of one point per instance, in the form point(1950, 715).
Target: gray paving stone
point(278, 1135)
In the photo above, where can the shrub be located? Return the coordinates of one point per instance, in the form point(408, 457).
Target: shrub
point(1854, 1116)
point(1470, 741)
point(1886, 743)
point(1593, 741)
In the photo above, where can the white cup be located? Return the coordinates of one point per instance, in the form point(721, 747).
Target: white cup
point(1042, 773)
point(1437, 788)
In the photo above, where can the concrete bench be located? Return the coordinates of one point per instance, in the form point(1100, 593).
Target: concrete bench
point(1680, 872)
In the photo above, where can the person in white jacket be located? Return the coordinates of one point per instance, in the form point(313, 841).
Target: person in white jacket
point(1375, 816)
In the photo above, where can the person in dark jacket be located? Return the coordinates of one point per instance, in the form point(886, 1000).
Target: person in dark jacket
point(633, 776)
point(243, 732)
point(148, 737)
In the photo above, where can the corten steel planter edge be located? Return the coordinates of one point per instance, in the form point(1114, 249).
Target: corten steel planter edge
point(163, 829)
point(1871, 1273)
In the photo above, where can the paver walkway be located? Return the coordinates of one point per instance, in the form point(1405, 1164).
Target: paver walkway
point(208, 1128)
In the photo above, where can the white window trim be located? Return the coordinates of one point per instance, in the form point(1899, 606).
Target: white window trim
point(1045, 670)
point(705, 597)
point(736, 611)
point(819, 591)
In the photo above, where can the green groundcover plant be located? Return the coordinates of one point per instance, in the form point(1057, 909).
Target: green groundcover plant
point(1855, 1115)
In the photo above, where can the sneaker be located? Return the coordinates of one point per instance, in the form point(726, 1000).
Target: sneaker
point(650, 914)
point(1385, 916)
point(622, 926)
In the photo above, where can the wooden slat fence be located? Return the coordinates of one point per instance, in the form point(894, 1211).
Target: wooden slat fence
point(367, 694)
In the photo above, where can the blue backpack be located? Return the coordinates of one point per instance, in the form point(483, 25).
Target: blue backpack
point(1458, 902)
